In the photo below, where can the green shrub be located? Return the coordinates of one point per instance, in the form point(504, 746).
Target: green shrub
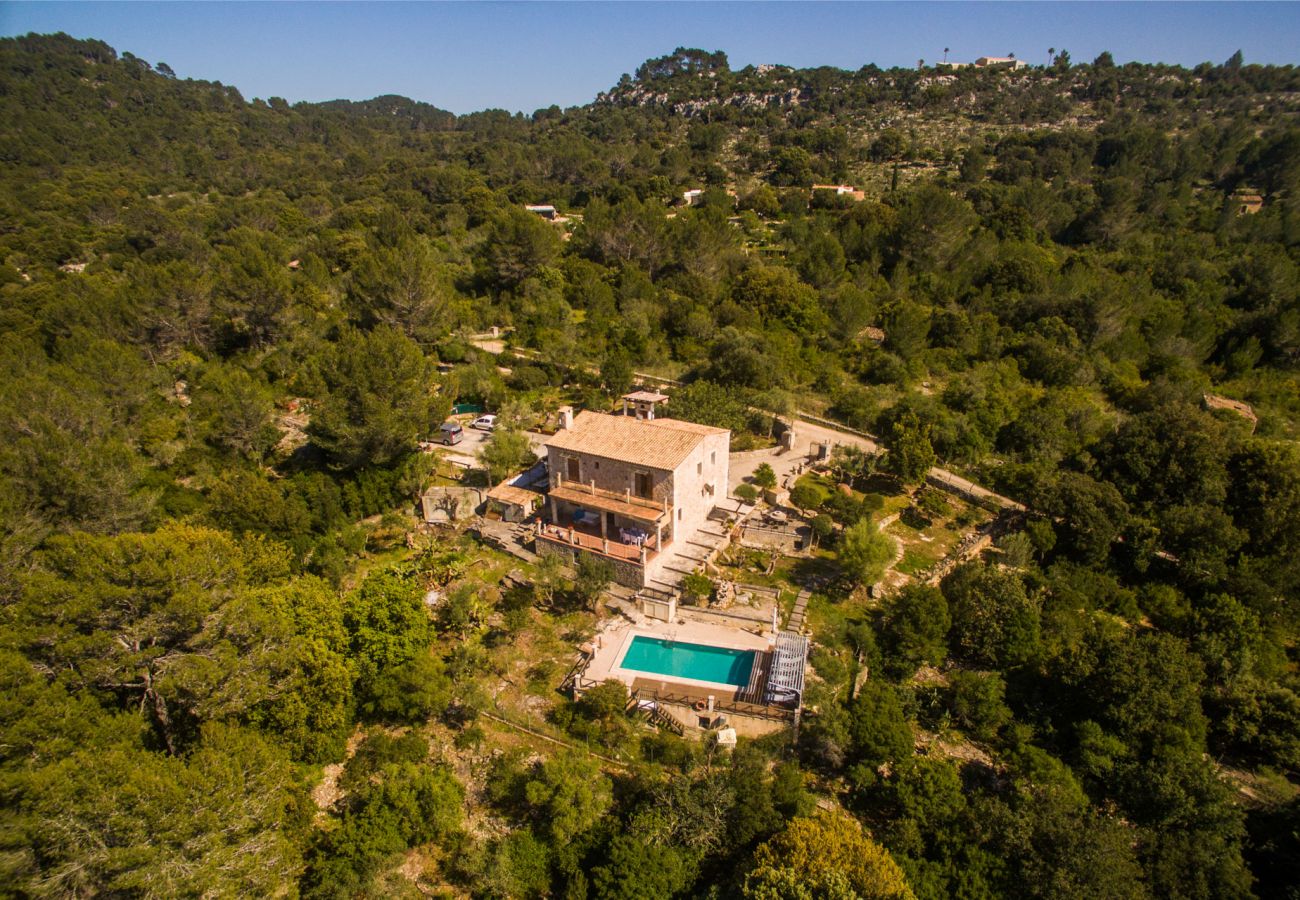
point(696, 588)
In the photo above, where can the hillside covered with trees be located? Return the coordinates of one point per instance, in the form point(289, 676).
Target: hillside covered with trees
point(225, 325)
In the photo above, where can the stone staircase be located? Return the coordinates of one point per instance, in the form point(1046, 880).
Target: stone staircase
point(682, 557)
point(507, 536)
point(656, 715)
point(799, 611)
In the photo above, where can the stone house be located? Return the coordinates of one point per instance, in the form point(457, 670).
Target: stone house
point(841, 190)
point(1246, 202)
point(634, 490)
point(1001, 62)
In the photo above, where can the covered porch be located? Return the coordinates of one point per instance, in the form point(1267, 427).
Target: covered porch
point(615, 525)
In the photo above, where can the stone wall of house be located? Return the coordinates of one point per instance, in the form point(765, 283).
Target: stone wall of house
point(609, 474)
point(449, 504)
point(626, 573)
point(705, 468)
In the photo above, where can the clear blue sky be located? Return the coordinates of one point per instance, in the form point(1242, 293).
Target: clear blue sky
point(522, 56)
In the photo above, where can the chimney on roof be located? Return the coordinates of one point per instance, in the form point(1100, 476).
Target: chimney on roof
point(566, 418)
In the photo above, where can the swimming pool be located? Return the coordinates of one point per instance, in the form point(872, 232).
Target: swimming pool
point(698, 662)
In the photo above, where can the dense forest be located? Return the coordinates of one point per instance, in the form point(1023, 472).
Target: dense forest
point(225, 325)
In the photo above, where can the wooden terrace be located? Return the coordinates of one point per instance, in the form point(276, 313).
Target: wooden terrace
point(585, 537)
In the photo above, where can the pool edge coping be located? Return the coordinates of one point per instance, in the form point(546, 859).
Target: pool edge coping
point(617, 669)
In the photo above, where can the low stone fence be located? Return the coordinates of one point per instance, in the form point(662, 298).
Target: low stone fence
point(969, 490)
point(626, 573)
point(971, 545)
point(450, 504)
point(784, 539)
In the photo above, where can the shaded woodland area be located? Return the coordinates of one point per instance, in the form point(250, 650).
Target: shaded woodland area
point(226, 323)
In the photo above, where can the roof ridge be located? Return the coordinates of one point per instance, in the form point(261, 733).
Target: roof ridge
point(655, 443)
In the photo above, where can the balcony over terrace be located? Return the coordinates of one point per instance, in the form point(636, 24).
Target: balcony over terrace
point(626, 504)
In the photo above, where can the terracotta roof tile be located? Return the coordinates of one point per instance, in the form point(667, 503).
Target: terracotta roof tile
point(654, 443)
point(508, 493)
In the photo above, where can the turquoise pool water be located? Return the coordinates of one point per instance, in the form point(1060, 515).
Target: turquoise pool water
point(698, 661)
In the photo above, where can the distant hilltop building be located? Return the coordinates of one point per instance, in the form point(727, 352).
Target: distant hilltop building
point(545, 210)
point(987, 62)
point(1000, 62)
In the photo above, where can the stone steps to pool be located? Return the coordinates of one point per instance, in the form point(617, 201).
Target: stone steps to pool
point(661, 717)
point(797, 614)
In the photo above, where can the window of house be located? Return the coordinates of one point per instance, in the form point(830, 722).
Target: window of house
point(573, 474)
point(679, 514)
point(699, 468)
point(643, 486)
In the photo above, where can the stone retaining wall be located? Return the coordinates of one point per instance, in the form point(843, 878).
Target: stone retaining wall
point(625, 573)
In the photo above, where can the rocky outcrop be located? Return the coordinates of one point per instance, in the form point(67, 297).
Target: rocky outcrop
point(752, 100)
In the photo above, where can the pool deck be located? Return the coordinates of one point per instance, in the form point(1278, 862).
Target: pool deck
point(612, 643)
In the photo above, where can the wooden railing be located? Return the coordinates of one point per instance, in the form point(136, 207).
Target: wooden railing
point(626, 496)
point(614, 549)
point(573, 681)
point(737, 707)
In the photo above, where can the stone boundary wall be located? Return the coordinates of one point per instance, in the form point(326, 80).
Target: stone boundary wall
point(625, 573)
point(450, 504)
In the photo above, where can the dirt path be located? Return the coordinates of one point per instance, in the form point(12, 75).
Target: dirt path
point(326, 793)
point(621, 766)
point(808, 432)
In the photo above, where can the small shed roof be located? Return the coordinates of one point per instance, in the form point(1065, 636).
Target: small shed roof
point(646, 396)
point(516, 496)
